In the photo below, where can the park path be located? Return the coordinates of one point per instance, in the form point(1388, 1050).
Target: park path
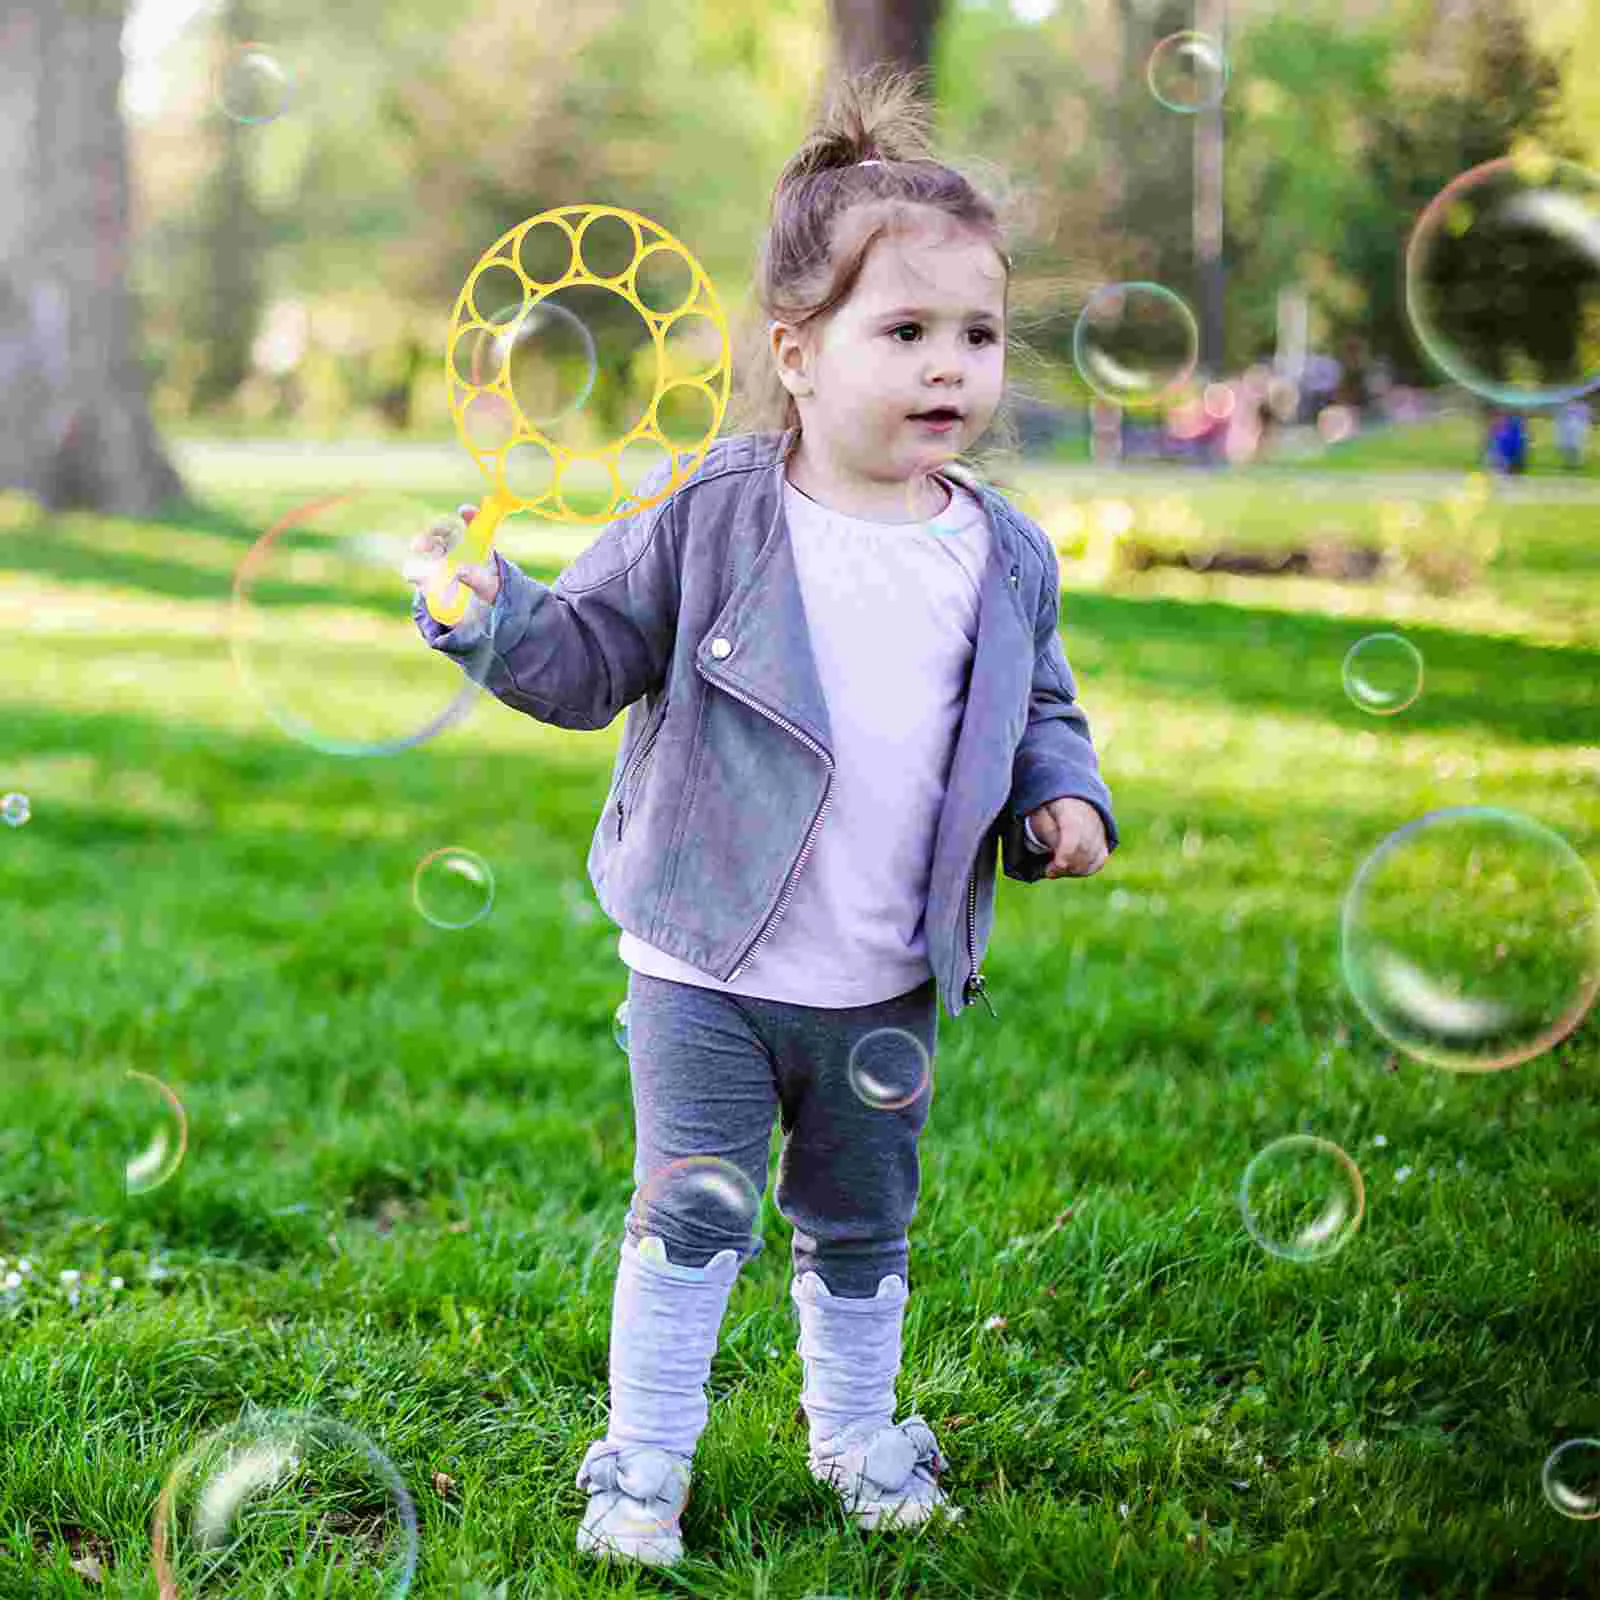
point(441, 463)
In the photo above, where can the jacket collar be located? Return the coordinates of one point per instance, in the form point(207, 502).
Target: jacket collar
point(764, 619)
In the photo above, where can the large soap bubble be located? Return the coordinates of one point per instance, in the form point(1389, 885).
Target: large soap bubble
point(284, 1502)
point(1471, 938)
point(323, 631)
point(1502, 280)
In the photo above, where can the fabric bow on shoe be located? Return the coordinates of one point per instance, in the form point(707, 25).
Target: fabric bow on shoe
point(893, 1454)
point(885, 1473)
point(639, 1471)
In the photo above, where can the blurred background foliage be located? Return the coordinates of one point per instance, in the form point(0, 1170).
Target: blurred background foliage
point(299, 273)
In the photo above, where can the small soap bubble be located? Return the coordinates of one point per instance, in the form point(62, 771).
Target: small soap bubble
point(619, 1027)
point(1188, 72)
point(1134, 343)
point(253, 86)
point(1502, 280)
point(132, 1137)
point(158, 1133)
point(1383, 673)
point(540, 353)
point(1302, 1198)
point(15, 810)
point(1572, 1479)
point(704, 1195)
point(888, 1069)
point(284, 1493)
point(453, 888)
point(1470, 938)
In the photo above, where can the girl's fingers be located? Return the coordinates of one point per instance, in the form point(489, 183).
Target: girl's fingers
point(481, 580)
point(441, 535)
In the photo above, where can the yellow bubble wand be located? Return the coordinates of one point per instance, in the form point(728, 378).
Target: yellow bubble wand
point(525, 468)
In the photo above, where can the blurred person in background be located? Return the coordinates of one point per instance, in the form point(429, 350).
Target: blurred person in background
point(1508, 442)
point(1572, 432)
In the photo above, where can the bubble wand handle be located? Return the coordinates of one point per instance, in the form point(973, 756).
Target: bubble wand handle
point(446, 595)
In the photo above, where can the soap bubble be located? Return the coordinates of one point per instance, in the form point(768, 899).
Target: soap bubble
point(619, 1027)
point(539, 352)
point(253, 86)
point(1572, 1479)
point(453, 888)
point(1302, 1198)
point(703, 1195)
point(888, 1069)
point(129, 1137)
point(1383, 673)
point(284, 1498)
point(1135, 342)
point(1188, 72)
point(157, 1133)
point(324, 635)
point(1470, 938)
point(1502, 280)
point(14, 810)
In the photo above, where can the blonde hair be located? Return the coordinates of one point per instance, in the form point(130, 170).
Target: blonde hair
point(810, 258)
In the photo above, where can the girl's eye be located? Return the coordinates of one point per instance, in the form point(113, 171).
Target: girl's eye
point(984, 335)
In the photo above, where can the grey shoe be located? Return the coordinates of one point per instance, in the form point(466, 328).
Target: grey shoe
point(885, 1474)
point(636, 1495)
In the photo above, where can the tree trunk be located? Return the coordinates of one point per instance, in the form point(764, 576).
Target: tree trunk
point(75, 425)
point(900, 32)
point(225, 311)
point(1211, 19)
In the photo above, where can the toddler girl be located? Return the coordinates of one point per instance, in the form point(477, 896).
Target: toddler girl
point(845, 686)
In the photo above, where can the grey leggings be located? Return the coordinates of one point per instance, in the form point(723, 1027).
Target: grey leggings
point(710, 1070)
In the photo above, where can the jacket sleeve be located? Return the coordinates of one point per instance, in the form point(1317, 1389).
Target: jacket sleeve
point(577, 652)
point(1054, 757)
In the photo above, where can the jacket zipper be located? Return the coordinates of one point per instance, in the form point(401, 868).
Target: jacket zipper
point(636, 760)
point(975, 984)
point(816, 822)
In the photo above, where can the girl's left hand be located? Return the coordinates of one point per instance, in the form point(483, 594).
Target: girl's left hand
point(1076, 836)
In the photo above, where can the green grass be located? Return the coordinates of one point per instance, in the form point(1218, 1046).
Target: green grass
point(410, 1150)
point(1452, 443)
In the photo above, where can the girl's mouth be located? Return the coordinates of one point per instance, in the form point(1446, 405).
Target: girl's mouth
point(941, 418)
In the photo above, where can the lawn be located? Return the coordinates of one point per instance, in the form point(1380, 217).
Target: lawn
point(409, 1149)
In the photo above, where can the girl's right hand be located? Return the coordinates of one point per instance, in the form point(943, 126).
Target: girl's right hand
point(436, 541)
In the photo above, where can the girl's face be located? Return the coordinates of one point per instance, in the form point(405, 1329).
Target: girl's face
point(923, 330)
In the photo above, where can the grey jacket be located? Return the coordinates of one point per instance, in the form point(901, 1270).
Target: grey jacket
point(689, 614)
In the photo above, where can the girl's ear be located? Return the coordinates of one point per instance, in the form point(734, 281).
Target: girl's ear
point(790, 358)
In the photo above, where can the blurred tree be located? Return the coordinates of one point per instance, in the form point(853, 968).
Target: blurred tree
point(1096, 177)
point(681, 112)
point(1308, 92)
point(867, 32)
point(1344, 118)
point(74, 419)
point(222, 300)
point(1460, 94)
